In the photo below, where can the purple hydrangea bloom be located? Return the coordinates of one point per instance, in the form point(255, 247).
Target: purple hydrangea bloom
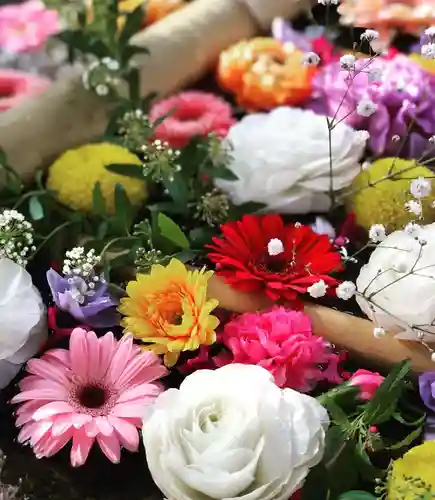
point(426, 384)
point(403, 92)
point(91, 305)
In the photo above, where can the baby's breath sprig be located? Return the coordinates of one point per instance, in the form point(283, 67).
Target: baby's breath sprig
point(16, 237)
point(213, 207)
point(135, 129)
point(160, 161)
point(102, 76)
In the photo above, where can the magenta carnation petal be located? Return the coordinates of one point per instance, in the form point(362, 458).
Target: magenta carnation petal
point(282, 342)
point(95, 392)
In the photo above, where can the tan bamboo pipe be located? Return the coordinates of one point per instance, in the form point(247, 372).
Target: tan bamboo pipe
point(183, 46)
point(341, 329)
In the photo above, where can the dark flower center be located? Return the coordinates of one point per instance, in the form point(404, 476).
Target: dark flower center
point(177, 319)
point(276, 265)
point(92, 396)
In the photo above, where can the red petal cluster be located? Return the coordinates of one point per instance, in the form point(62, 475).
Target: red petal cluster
point(242, 258)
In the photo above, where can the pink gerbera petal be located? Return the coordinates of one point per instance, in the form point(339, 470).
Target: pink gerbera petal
point(77, 395)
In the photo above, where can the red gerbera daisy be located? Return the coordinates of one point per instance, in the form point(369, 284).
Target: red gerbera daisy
point(262, 253)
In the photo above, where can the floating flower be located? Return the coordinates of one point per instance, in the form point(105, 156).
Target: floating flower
point(190, 114)
point(397, 285)
point(23, 323)
point(412, 476)
point(169, 310)
point(16, 86)
point(82, 292)
point(281, 159)
point(27, 26)
point(243, 260)
point(367, 381)
point(74, 174)
point(94, 392)
point(232, 433)
point(282, 341)
point(264, 73)
point(404, 99)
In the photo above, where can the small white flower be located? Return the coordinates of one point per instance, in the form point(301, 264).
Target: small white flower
point(366, 165)
point(377, 233)
point(346, 290)
point(431, 139)
point(101, 90)
point(378, 332)
point(370, 35)
point(414, 207)
point(375, 74)
point(310, 59)
point(428, 51)
point(420, 187)
point(430, 32)
point(275, 247)
point(412, 229)
point(318, 289)
point(395, 138)
point(366, 108)
point(348, 61)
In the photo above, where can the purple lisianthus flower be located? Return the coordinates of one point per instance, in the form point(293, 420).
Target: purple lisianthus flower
point(89, 303)
point(426, 384)
point(404, 95)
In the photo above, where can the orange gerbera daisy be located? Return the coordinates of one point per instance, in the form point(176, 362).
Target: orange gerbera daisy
point(264, 73)
point(169, 310)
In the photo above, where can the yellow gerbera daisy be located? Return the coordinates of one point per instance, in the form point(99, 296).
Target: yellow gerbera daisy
point(413, 476)
point(169, 310)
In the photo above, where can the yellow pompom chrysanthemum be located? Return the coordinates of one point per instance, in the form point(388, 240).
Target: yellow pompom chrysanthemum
point(74, 175)
point(424, 62)
point(169, 310)
point(413, 476)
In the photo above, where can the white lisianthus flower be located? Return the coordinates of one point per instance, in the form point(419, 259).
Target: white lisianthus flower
point(233, 434)
point(397, 286)
point(23, 326)
point(281, 159)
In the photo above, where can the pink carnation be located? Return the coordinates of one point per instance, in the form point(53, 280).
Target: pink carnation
point(27, 26)
point(191, 114)
point(16, 86)
point(282, 341)
point(367, 381)
point(95, 392)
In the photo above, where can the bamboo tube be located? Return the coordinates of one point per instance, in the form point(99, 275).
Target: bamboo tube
point(341, 329)
point(183, 46)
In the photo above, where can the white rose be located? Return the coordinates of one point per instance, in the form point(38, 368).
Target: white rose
point(398, 284)
point(22, 319)
point(233, 434)
point(281, 159)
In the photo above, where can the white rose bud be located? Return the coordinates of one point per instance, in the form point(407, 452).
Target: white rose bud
point(232, 433)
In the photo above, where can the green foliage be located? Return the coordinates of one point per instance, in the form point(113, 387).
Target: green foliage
point(171, 231)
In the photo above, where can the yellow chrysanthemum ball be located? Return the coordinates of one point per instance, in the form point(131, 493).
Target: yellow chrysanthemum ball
point(168, 309)
point(379, 193)
point(74, 175)
point(426, 64)
point(413, 476)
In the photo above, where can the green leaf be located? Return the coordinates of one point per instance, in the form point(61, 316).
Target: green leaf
point(35, 208)
point(201, 236)
point(171, 231)
point(408, 440)
point(383, 405)
point(357, 495)
point(316, 484)
point(221, 172)
point(3, 157)
point(86, 43)
point(334, 444)
point(133, 24)
point(102, 230)
point(131, 50)
point(129, 170)
point(186, 255)
point(179, 191)
point(364, 465)
point(337, 414)
point(133, 80)
point(123, 210)
point(38, 179)
point(413, 423)
point(98, 201)
point(250, 207)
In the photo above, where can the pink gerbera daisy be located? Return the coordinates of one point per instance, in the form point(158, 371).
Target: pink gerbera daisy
point(95, 391)
point(191, 114)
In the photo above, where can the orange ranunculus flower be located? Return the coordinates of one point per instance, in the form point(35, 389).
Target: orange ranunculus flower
point(154, 9)
point(264, 73)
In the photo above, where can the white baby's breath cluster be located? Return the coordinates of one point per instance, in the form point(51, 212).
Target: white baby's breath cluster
point(160, 161)
point(420, 188)
point(16, 237)
point(101, 76)
point(310, 59)
point(80, 263)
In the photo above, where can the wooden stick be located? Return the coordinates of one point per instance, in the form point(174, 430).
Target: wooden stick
point(341, 329)
point(183, 46)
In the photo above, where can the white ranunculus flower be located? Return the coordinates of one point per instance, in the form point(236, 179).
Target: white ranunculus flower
point(281, 159)
point(233, 434)
point(398, 285)
point(23, 325)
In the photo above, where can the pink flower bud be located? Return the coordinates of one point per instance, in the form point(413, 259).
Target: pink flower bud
point(367, 381)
